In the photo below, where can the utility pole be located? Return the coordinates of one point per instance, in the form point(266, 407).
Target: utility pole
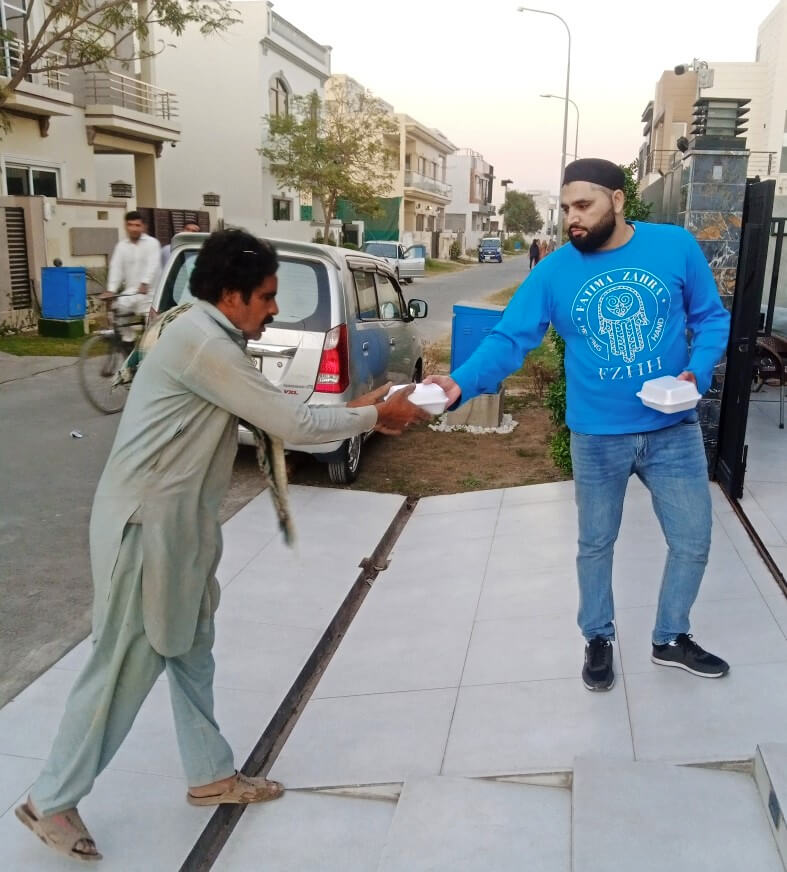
point(505, 183)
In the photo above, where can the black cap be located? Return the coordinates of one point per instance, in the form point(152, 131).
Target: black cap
point(597, 171)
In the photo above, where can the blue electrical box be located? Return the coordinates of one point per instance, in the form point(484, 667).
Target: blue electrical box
point(63, 292)
point(472, 323)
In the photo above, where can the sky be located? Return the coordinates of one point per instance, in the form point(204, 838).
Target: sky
point(475, 70)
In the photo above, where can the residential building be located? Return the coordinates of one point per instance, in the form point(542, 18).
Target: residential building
point(416, 205)
point(425, 189)
point(227, 83)
point(52, 204)
point(762, 81)
point(546, 206)
point(470, 211)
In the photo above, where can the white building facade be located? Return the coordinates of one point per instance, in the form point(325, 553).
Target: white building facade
point(255, 69)
point(546, 206)
point(64, 123)
point(470, 211)
point(762, 81)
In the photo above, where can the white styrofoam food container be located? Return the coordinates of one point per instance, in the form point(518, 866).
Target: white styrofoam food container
point(431, 398)
point(669, 394)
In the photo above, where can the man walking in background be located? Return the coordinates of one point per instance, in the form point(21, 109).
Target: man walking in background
point(535, 253)
point(622, 295)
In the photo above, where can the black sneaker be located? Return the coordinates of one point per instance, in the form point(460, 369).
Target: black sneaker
point(597, 673)
point(686, 654)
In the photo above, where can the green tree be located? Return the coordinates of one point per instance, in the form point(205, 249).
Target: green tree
point(334, 149)
point(53, 36)
point(636, 209)
point(520, 214)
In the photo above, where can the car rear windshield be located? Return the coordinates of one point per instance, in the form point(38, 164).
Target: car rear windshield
point(303, 298)
point(380, 249)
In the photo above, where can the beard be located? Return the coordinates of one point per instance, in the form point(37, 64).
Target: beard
point(596, 235)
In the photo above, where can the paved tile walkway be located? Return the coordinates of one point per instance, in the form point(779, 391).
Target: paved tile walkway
point(464, 660)
point(765, 487)
point(275, 605)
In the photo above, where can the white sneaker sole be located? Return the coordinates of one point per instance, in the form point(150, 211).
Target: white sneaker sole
point(687, 668)
point(595, 689)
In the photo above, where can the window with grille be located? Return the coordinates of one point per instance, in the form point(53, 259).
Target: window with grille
point(25, 181)
point(282, 209)
point(16, 238)
point(279, 98)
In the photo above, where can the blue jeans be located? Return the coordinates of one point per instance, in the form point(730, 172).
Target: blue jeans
point(671, 464)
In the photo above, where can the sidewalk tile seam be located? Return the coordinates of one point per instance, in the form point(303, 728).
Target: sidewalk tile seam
point(245, 565)
point(287, 626)
point(470, 637)
point(370, 693)
point(575, 676)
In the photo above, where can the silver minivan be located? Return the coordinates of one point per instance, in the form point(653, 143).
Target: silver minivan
point(343, 329)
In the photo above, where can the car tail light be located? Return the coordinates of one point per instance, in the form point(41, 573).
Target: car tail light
point(333, 376)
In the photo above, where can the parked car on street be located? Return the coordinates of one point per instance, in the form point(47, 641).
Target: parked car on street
point(407, 263)
point(490, 250)
point(343, 329)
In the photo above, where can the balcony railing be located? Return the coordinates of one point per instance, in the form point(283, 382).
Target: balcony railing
point(426, 183)
point(114, 89)
point(761, 163)
point(11, 52)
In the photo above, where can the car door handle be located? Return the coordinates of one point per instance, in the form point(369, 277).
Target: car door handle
point(278, 350)
point(392, 342)
point(365, 346)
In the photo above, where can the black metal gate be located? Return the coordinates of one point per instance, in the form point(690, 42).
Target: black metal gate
point(731, 462)
point(18, 266)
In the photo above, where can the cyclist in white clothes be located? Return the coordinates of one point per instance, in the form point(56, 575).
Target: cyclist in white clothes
point(135, 266)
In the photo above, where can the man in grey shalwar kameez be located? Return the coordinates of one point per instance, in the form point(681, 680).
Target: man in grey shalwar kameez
point(155, 540)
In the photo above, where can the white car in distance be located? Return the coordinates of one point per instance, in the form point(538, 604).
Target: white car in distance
point(407, 263)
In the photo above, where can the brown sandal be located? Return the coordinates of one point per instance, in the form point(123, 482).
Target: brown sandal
point(62, 832)
point(244, 790)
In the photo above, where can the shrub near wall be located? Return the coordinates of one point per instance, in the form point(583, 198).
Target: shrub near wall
point(560, 443)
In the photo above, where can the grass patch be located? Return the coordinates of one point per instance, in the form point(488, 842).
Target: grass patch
point(441, 266)
point(31, 344)
point(502, 298)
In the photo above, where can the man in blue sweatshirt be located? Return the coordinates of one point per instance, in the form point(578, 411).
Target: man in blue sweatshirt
point(623, 296)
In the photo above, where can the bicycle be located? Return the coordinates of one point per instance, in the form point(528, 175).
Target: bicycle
point(101, 356)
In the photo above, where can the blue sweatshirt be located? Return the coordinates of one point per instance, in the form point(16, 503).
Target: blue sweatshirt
point(624, 315)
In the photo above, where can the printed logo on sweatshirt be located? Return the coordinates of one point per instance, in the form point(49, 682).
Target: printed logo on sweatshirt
point(622, 314)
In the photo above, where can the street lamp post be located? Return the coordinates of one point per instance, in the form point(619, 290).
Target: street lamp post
point(504, 184)
point(565, 112)
point(576, 129)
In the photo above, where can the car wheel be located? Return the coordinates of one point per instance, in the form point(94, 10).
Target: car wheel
point(345, 471)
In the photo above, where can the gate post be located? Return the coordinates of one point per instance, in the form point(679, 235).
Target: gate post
point(713, 185)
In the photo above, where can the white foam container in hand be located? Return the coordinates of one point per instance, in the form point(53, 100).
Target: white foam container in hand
point(669, 394)
point(431, 398)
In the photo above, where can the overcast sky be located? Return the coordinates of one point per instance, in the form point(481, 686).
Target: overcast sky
point(475, 69)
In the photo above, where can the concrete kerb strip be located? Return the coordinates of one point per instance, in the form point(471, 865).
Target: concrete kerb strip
point(219, 828)
point(17, 367)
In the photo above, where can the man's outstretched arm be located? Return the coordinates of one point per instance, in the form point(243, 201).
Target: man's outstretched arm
point(519, 331)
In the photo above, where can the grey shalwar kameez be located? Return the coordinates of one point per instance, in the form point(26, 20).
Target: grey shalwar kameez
point(155, 543)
